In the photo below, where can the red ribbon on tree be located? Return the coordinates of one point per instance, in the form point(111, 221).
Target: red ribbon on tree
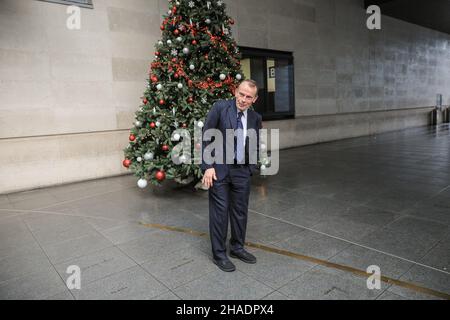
point(192, 29)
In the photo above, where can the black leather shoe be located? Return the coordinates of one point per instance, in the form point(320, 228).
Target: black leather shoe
point(243, 255)
point(225, 265)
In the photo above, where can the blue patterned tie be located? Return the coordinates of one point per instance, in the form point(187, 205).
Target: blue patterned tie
point(240, 149)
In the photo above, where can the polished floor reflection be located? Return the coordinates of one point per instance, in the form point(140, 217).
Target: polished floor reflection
point(382, 200)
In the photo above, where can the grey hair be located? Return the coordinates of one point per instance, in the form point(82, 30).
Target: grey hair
point(251, 83)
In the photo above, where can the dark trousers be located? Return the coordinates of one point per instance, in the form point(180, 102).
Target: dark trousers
point(228, 199)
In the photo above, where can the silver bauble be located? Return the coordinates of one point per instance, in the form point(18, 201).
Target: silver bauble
point(148, 156)
point(142, 183)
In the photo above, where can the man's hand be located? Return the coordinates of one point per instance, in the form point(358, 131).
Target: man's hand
point(208, 177)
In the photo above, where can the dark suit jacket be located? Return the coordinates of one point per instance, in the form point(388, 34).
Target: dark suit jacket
point(223, 116)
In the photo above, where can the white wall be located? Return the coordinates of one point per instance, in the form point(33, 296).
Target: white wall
point(67, 98)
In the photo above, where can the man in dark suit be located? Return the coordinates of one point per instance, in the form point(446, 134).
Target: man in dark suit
point(228, 175)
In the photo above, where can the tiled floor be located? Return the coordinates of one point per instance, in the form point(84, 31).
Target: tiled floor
point(381, 200)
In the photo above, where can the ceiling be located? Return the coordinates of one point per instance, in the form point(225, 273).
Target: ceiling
point(433, 14)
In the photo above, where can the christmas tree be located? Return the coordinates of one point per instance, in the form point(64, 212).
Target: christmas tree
point(196, 63)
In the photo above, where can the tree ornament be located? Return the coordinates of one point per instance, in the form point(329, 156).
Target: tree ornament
point(238, 76)
point(154, 79)
point(139, 159)
point(152, 125)
point(194, 42)
point(148, 156)
point(162, 102)
point(158, 124)
point(222, 76)
point(165, 147)
point(142, 183)
point(138, 123)
point(159, 86)
point(126, 163)
point(192, 67)
point(160, 176)
point(176, 137)
point(145, 101)
point(132, 137)
point(200, 124)
point(180, 86)
point(186, 50)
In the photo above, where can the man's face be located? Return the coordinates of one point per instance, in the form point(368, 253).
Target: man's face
point(245, 96)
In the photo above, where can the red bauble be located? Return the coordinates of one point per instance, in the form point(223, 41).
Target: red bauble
point(194, 42)
point(190, 100)
point(145, 101)
point(231, 21)
point(132, 137)
point(206, 56)
point(160, 175)
point(176, 32)
point(165, 147)
point(162, 102)
point(162, 28)
point(209, 79)
point(126, 163)
point(152, 125)
point(176, 75)
point(174, 60)
point(190, 83)
point(157, 53)
point(154, 79)
point(174, 10)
